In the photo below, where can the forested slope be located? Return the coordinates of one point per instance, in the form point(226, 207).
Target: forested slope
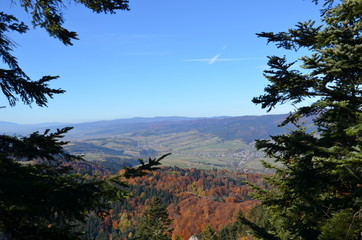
point(194, 198)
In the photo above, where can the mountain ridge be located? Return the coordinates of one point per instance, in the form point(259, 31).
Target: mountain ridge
point(223, 142)
point(248, 127)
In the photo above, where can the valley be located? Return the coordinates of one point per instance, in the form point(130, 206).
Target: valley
point(204, 143)
point(189, 150)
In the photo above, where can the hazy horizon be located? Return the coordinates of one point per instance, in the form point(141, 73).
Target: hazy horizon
point(162, 58)
point(140, 117)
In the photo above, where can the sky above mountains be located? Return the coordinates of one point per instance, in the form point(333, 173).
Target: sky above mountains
point(163, 58)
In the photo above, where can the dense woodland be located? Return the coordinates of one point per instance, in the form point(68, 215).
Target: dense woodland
point(194, 199)
point(314, 194)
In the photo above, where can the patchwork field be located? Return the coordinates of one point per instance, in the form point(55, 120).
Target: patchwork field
point(189, 150)
point(221, 142)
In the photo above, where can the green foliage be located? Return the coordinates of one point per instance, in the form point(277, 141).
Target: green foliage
point(344, 224)
point(320, 178)
point(13, 80)
point(179, 237)
point(124, 222)
point(208, 233)
point(41, 196)
point(48, 14)
point(154, 223)
point(141, 170)
point(259, 232)
point(235, 230)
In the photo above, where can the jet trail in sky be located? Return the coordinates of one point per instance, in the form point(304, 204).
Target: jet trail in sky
point(217, 59)
point(214, 59)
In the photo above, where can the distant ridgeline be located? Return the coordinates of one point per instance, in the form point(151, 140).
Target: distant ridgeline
point(247, 128)
point(223, 142)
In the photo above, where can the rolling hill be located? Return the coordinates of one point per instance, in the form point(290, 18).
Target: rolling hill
point(221, 142)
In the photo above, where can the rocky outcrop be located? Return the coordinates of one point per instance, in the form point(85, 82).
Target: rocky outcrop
point(193, 237)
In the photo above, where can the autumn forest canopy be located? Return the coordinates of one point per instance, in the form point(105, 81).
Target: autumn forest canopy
point(314, 188)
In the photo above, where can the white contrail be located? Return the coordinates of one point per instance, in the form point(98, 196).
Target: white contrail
point(217, 59)
point(214, 59)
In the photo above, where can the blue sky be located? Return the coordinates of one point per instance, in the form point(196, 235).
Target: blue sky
point(198, 58)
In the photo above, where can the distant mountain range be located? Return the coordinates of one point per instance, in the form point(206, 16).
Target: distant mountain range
point(248, 128)
point(222, 142)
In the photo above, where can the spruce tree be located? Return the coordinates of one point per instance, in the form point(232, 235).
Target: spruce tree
point(316, 191)
point(155, 222)
point(208, 233)
point(41, 196)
